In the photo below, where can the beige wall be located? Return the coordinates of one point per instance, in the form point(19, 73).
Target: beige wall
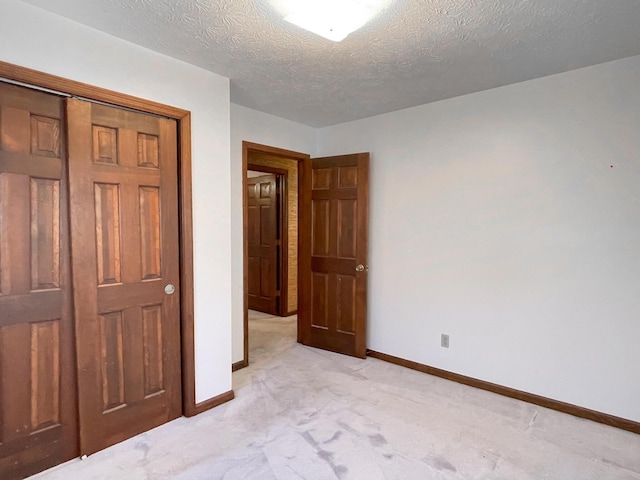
point(291, 166)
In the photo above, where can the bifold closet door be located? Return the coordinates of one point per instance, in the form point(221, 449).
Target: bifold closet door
point(124, 239)
point(38, 412)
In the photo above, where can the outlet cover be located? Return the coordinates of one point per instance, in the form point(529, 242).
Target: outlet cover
point(444, 340)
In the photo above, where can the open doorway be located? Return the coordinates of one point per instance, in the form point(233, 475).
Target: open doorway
point(283, 164)
point(328, 245)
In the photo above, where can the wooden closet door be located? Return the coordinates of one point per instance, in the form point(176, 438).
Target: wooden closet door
point(38, 411)
point(124, 238)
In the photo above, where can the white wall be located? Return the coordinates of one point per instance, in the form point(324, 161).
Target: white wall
point(496, 218)
point(256, 127)
point(33, 38)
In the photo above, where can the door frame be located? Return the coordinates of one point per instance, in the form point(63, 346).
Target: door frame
point(282, 182)
point(278, 152)
point(61, 85)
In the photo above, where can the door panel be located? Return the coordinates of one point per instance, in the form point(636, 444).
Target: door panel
point(38, 410)
point(333, 232)
point(123, 191)
point(264, 248)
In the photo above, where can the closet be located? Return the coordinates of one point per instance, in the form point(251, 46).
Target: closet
point(89, 277)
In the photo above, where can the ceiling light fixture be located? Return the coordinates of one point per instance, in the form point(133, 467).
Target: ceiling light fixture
point(331, 19)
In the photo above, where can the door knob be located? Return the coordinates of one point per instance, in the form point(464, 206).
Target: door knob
point(360, 268)
point(169, 289)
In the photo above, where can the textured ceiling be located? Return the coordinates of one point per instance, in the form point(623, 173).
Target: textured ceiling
point(414, 52)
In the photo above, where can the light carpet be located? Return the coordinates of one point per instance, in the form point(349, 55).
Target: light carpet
point(302, 413)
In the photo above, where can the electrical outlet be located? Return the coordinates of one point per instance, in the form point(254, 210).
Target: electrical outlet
point(444, 340)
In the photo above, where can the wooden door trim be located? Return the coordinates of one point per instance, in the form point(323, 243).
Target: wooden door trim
point(283, 213)
point(264, 149)
point(267, 169)
point(183, 117)
point(304, 249)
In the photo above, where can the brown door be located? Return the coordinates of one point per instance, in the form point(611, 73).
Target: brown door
point(124, 238)
point(37, 379)
point(333, 253)
point(264, 244)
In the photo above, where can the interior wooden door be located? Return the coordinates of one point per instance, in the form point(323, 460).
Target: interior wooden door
point(264, 244)
point(37, 377)
point(124, 238)
point(332, 309)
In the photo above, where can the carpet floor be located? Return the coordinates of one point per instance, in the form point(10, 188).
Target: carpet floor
point(302, 413)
